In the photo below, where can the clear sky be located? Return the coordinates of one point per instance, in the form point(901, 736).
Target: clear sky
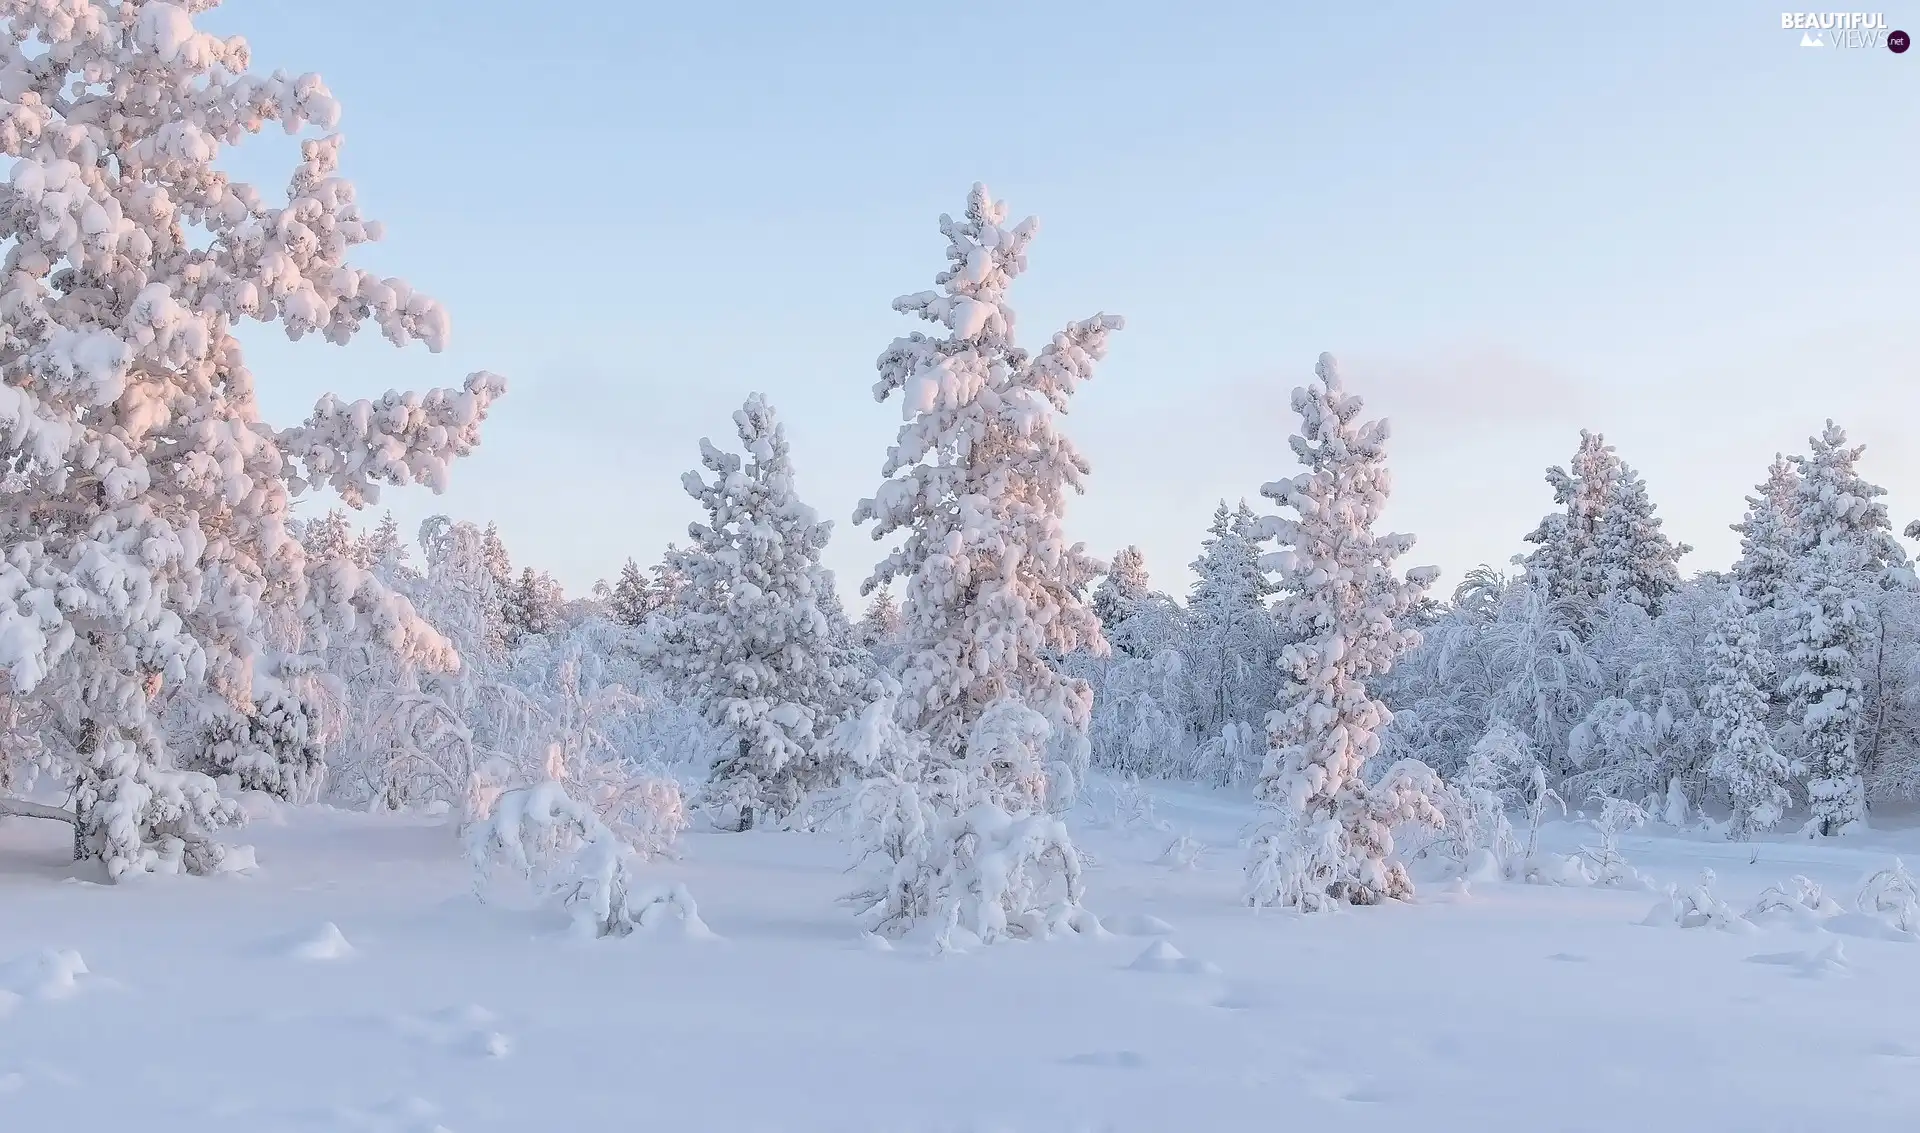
point(1669, 223)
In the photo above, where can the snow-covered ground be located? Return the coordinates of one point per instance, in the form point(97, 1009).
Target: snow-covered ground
point(353, 982)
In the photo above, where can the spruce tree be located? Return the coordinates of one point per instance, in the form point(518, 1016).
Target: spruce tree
point(1744, 759)
point(628, 602)
point(1118, 594)
point(1767, 537)
point(1333, 841)
point(1230, 637)
point(757, 637)
point(1823, 684)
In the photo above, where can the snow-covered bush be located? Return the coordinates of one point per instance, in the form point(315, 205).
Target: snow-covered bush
point(966, 847)
point(1475, 805)
point(1695, 906)
point(1138, 726)
point(559, 843)
point(1606, 865)
point(1800, 901)
point(1892, 896)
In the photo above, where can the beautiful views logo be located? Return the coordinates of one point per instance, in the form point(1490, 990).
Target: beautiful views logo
point(1845, 29)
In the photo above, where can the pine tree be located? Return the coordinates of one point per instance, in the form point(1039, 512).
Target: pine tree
point(1845, 560)
point(1230, 637)
point(1118, 597)
point(1834, 503)
point(1566, 558)
point(1823, 686)
point(758, 636)
point(1744, 760)
point(1637, 563)
point(329, 537)
point(988, 735)
point(667, 584)
point(146, 541)
point(1334, 839)
point(1767, 533)
point(628, 600)
point(977, 483)
point(880, 626)
point(1605, 543)
point(383, 550)
point(531, 606)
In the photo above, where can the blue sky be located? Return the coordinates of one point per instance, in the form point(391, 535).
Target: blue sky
point(1668, 223)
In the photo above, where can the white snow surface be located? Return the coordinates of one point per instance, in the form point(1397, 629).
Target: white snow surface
point(1483, 1005)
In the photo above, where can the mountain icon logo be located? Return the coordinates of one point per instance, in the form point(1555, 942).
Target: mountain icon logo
point(1808, 39)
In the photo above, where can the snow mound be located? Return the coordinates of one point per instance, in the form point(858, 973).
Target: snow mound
point(1482, 866)
point(1138, 924)
point(48, 974)
point(1161, 956)
point(874, 942)
point(237, 859)
point(1867, 927)
point(1811, 964)
point(325, 943)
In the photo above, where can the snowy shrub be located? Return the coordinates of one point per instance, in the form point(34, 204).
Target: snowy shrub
point(1607, 865)
point(1123, 804)
point(1892, 896)
point(966, 847)
point(1138, 726)
point(1800, 901)
point(1695, 906)
point(1475, 804)
point(1347, 857)
point(1232, 757)
point(560, 844)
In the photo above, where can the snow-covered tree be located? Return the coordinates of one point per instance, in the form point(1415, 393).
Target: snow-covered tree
point(1118, 596)
point(1744, 761)
point(1637, 563)
point(1566, 554)
point(1767, 537)
point(755, 636)
point(1230, 640)
point(976, 485)
point(531, 606)
point(881, 625)
point(1334, 841)
point(627, 601)
point(667, 584)
point(147, 543)
point(1605, 542)
point(1822, 685)
point(1833, 503)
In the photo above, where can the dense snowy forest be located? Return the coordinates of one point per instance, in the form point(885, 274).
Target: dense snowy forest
point(197, 607)
point(364, 828)
point(175, 635)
